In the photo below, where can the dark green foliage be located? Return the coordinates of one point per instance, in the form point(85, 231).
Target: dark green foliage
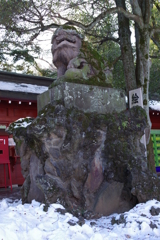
point(21, 55)
point(154, 86)
point(118, 76)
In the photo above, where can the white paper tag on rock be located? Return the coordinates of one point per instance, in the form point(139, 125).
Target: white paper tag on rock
point(136, 99)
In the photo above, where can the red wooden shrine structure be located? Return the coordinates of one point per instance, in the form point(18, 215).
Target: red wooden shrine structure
point(10, 111)
point(4, 158)
point(155, 118)
point(15, 104)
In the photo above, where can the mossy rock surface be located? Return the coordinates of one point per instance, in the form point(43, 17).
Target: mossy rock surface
point(77, 158)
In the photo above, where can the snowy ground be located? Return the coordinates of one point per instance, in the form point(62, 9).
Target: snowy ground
point(30, 222)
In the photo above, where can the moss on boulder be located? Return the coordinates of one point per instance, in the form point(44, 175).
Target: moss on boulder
point(79, 158)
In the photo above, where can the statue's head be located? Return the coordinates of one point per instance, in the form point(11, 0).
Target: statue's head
point(75, 58)
point(66, 44)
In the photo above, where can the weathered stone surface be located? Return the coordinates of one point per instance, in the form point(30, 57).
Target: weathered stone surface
point(95, 176)
point(76, 60)
point(85, 97)
point(90, 163)
point(36, 168)
point(65, 46)
point(109, 199)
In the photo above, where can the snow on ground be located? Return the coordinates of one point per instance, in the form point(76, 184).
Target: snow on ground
point(30, 222)
point(22, 87)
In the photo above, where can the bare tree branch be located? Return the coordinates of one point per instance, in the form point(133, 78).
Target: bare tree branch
point(107, 39)
point(39, 13)
point(51, 66)
point(41, 28)
point(136, 8)
point(157, 5)
point(157, 43)
point(88, 27)
point(32, 38)
point(155, 30)
point(102, 15)
point(154, 56)
point(73, 5)
point(116, 60)
point(28, 20)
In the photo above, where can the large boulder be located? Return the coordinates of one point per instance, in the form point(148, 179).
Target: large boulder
point(91, 163)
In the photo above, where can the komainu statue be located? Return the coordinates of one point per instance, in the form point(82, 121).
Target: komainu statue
point(75, 59)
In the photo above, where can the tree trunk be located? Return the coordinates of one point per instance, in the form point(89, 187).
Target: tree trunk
point(142, 59)
point(143, 70)
point(126, 49)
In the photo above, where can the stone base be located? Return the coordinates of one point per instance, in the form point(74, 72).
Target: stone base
point(85, 97)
